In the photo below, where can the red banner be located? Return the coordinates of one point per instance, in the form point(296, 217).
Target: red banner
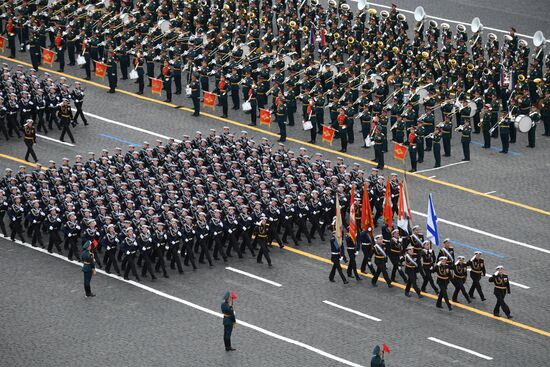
point(399, 151)
point(328, 134)
point(2, 44)
point(367, 223)
point(265, 117)
point(100, 69)
point(388, 212)
point(352, 223)
point(209, 99)
point(156, 86)
point(47, 56)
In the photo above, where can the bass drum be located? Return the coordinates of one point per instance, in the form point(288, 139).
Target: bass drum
point(523, 123)
point(422, 94)
point(473, 108)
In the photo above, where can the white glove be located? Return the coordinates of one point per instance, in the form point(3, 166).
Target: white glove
point(143, 248)
point(34, 221)
point(356, 253)
point(127, 252)
point(167, 247)
point(108, 248)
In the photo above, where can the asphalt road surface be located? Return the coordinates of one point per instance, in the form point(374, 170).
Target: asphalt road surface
point(47, 321)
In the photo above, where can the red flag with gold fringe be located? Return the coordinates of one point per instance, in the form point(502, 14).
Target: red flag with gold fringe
point(399, 151)
point(209, 99)
point(265, 117)
point(100, 69)
point(156, 86)
point(47, 56)
point(328, 134)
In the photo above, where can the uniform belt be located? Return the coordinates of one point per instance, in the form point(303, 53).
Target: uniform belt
point(379, 257)
point(410, 266)
point(227, 314)
point(499, 287)
point(335, 253)
point(459, 276)
point(398, 251)
point(475, 271)
point(440, 277)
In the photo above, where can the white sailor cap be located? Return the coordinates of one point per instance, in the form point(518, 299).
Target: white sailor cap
point(378, 236)
point(499, 267)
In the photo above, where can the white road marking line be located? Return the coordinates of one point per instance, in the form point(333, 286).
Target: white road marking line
point(445, 166)
point(55, 140)
point(432, 177)
point(253, 276)
point(490, 192)
point(135, 128)
point(352, 311)
point(460, 348)
point(202, 309)
point(447, 20)
point(478, 231)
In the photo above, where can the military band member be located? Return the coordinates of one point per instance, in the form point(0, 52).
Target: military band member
point(88, 267)
point(485, 122)
point(195, 94)
point(443, 273)
point(30, 140)
point(465, 139)
point(60, 50)
point(380, 260)
point(535, 118)
point(477, 272)
point(411, 268)
point(447, 134)
point(222, 90)
point(436, 144)
point(281, 118)
point(504, 127)
point(166, 76)
point(139, 62)
point(502, 287)
point(112, 74)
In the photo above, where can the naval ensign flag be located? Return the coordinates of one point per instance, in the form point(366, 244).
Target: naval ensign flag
point(431, 225)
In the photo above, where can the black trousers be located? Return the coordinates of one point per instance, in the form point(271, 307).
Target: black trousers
point(504, 138)
point(247, 243)
point(223, 100)
point(227, 330)
point(233, 244)
point(110, 260)
point(427, 275)
point(16, 229)
point(411, 281)
point(379, 155)
point(336, 266)
point(447, 145)
point(466, 150)
point(264, 251)
point(500, 294)
point(459, 287)
point(218, 247)
point(315, 227)
point(41, 121)
point(189, 256)
point(87, 282)
point(395, 268)
point(302, 228)
point(36, 234)
point(55, 240)
point(443, 293)
point(531, 136)
point(274, 234)
point(486, 138)
point(67, 130)
point(70, 243)
point(287, 225)
point(30, 151)
point(352, 265)
point(147, 265)
point(381, 268)
point(130, 266)
point(79, 113)
point(367, 255)
point(476, 285)
point(196, 105)
point(203, 243)
point(175, 258)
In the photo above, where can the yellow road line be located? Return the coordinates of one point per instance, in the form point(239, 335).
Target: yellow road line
point(22, 161)
point(428, 295)
point(318, 147)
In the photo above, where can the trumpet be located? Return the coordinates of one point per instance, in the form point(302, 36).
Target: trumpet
point(460, 128)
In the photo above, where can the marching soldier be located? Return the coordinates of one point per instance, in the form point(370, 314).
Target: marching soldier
point(262, 233)
point(380, 260)
point(443, 274)
point(411, 268)
point(30, 140)
point(52, 224)
point(502, 287)
point(335, 254)
point(16, 212)
point(459, 278)
point(427, 261)
point(111, 243)
point(66, 117)
point(477, 272)
point(129, 249)
point(35, 219)
point(353, 251)
point(72, 230)
point(77, 96)
point(395, 252)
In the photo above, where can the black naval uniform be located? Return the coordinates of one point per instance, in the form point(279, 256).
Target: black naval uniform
point(30, 140)
point(502, 287)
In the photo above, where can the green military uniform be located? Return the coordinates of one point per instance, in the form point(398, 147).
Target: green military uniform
point(447, 134)
point(504, 128)
point(88, 268)
point(376, 360)
point(229, 321)
point(465, 140)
